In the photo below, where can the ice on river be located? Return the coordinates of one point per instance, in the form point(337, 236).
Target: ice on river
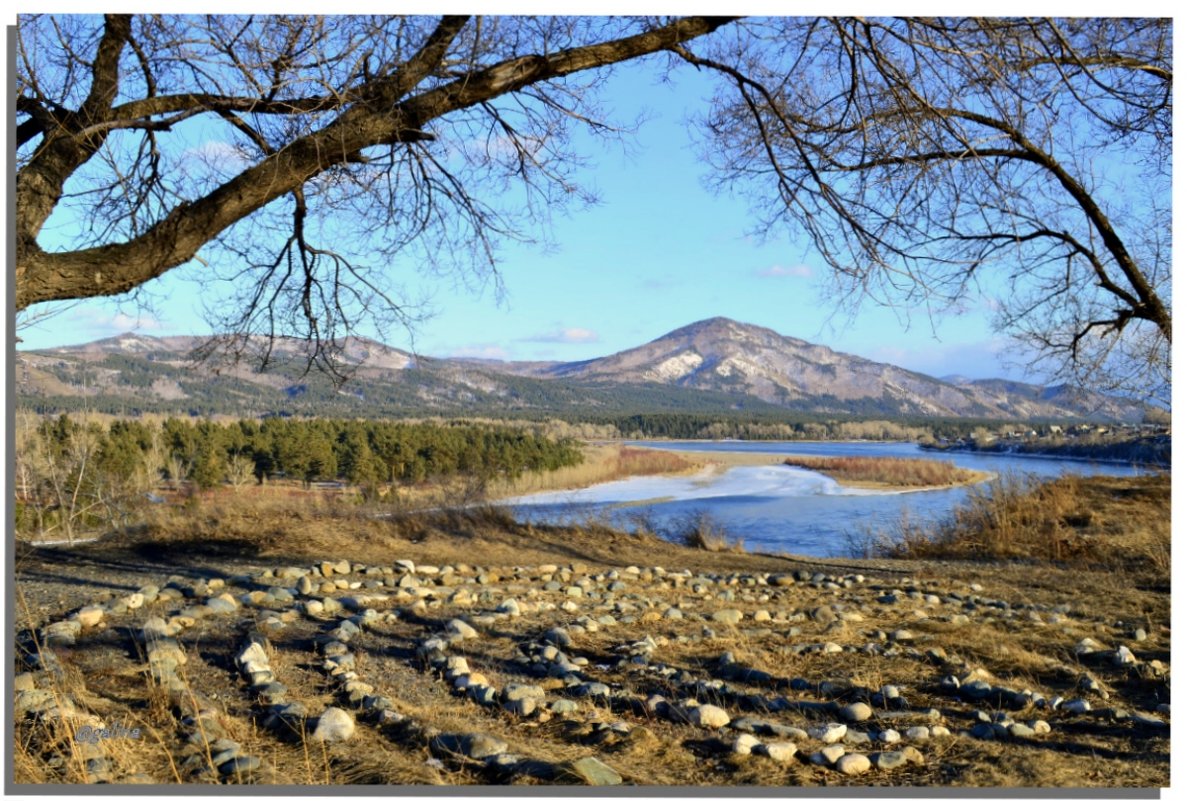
point(774, 481)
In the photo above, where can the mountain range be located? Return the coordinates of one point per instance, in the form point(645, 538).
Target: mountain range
point(712, 365)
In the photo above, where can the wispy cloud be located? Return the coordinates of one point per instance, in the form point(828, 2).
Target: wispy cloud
point(994, 358)
point(480, 351)
point(99, 324)
point(781, 271)
point(568, 336)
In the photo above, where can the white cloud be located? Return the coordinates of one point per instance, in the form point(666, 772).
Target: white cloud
point(100, 324)
point(780, 271)
point(479, 351)
point(994, 358)
point(565, 336)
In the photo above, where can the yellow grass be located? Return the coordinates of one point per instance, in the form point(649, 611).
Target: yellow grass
point(889, 473)
point(1092, 521)
point(602, 463)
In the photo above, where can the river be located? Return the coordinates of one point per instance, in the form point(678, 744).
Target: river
point(780, 508)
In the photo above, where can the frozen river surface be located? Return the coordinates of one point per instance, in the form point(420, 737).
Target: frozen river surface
point(779, 508)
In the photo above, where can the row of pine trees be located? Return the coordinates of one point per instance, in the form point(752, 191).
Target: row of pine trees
point(72, 473)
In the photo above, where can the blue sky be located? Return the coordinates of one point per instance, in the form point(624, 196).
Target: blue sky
point(661, 250)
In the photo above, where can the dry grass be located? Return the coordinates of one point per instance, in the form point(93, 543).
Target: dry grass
point(1099, 521)
point(277, 530)
point(702, 532)
point(601, 463)
point(888, 472)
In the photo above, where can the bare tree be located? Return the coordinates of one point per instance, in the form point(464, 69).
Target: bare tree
point(298, 157)
point(927, 159)
point(306, 160)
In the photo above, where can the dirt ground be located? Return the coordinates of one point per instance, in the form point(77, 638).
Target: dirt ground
point(984, 674)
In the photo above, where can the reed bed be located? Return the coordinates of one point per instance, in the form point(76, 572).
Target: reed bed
point(602, 463)
point(889, 472)
point(1099, 521)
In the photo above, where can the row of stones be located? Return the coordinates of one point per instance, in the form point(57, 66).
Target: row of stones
point(58, 714)
point(547, 658)
point(520, 699)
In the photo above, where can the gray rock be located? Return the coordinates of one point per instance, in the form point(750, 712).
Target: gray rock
point(1021, 731)
point(889, 760)
point(854, 737)
point(334, 726)
point(240, 766)
point(780, 752)
point(471, 746)
point(853, 764)
point(462, 629)
point(514, 692)
point(730, 617)
point(744, 744)
point(591, 689)
point(33, 700)
point(521, 707)
point(829, 754)
point(90, 615)
point(857, 712)
point(593, 772)
point(918, 733)
point(983, 731)
point(709, 716)
point(558, 637)
point(828, 733)
point(222, 605)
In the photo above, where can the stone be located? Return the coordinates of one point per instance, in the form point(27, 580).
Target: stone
point(889, 760)
point(731, 617)
point(781, 752)
point(709, 716)
point(521, 707)
point(853, 764)
point(558, 637)
point(90, 616)
point(855, 737)
point(222, 605)
point(62, 633)
point(889, 736)
point(745, 744)
point(593, 772)
point(856, 712)
point(829, 754)
point(33, 700)
point(240, 765)
point(828, 733)
point(1123, 656)
point(1021, 731)
point(471, 746)
point(514, 692)
point(462, 629)
point(983, 731)
point(918, 733)
point(334, 726)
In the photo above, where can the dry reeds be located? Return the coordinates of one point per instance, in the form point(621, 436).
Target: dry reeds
point(1090, 521)
point(702, 532)
point(601, 463)
point(884, 471)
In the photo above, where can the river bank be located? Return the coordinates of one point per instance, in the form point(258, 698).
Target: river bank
point(465, 648)
point(1145, 451)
